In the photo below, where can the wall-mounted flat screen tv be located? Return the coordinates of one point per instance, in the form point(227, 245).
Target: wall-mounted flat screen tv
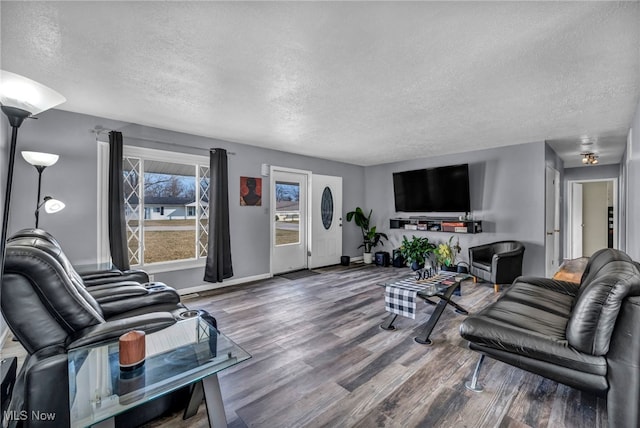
point(443, 189)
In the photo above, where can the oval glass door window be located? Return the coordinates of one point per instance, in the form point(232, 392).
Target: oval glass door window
point(326, 208)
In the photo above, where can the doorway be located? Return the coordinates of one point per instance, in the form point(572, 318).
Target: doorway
point(592, 216)
point(289, 219)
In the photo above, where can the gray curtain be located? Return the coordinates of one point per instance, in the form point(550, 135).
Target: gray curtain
point(117, 230)
point(219, 265)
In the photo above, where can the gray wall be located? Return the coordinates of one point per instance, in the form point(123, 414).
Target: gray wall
point(507, 193)
point(73, 180)
point(632, 158)
point(592, 172)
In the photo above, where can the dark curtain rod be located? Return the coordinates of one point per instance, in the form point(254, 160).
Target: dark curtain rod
point(99, 131)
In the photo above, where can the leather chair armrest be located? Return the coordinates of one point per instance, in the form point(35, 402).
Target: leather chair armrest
point(43, 372)
point(113, 286)
point(95, 279)
point(98, 274)
point(111, 330)
point(512, 253)
point(110, 294)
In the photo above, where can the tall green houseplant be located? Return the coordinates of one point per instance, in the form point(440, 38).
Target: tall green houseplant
point(370, 236)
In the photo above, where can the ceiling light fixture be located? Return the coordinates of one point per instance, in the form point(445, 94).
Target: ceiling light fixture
point(589, 158)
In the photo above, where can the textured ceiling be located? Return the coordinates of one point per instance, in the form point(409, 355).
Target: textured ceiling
point(364, 83)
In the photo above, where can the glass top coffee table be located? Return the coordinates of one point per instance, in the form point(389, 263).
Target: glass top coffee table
point(185, 353)
point(442, 286)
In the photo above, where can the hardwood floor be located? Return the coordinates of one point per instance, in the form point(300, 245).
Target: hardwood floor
point(321, 359)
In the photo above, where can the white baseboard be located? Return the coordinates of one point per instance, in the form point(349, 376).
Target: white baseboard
point(357, 259)
point(214, 286)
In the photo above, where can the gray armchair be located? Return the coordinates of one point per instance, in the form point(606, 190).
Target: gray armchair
point(498, 263)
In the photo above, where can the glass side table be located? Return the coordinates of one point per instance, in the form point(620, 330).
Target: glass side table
point(188, 352)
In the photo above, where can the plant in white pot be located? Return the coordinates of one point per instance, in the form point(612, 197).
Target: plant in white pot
point(370, 237)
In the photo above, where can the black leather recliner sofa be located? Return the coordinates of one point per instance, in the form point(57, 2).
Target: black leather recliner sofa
point(90, 278)
point(50, 311)
point(586, 336)
point(115, 291)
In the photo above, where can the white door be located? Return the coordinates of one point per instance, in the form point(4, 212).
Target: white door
point(552, 220)
point(576, 221)
point(289, 220)
point(326, 220)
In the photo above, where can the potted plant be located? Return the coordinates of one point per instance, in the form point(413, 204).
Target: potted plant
point(446, 254)
point(416, 250)
point(370, 237)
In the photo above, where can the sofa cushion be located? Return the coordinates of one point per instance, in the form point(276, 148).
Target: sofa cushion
point(598, 303)
point(482, 265)
point(531, 320)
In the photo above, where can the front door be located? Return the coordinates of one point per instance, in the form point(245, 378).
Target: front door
point(289, 220)
point(326, 220)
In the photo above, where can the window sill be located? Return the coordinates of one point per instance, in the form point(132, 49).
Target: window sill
point(171, 266)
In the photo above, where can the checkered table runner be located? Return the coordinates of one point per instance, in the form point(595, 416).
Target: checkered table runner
point(400, 296)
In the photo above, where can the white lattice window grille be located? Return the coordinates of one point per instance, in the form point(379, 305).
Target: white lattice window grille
point(203, 210)
point(131, 170)
point(166, 207)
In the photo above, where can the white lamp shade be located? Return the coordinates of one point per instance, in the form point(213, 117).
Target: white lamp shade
point(40, 159)
point(53, 206)
point(26, 94)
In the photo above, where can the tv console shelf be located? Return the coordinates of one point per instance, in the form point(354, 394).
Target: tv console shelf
point(428, 224)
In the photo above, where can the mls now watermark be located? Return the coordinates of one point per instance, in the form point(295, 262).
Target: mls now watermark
point(23, 415)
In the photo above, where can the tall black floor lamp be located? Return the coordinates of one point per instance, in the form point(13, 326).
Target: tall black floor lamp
point(41, 161)
point(20, 98)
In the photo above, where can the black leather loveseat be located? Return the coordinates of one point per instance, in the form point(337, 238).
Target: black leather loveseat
point(583, 335)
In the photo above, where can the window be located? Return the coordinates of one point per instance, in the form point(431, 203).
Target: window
point(287, 213)
point(166, 206)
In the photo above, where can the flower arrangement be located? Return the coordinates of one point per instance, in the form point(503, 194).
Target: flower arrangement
point(447, 252)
